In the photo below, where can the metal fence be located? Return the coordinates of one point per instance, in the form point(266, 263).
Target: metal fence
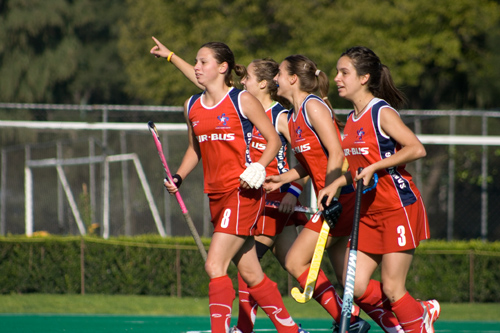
point(459, 178)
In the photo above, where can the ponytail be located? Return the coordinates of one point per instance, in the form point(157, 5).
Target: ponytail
point(387, 90)
point(311, 79)
point(324, 87)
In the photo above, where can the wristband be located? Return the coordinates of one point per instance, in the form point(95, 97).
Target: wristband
point(170, 56)
point(295, 189)
point(177, 180)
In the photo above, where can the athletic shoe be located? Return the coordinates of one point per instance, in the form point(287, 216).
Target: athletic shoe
point(301, 330)
point(359, 326)
point(432, 310)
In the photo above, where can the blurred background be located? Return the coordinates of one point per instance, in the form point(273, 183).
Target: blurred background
point(78, 86)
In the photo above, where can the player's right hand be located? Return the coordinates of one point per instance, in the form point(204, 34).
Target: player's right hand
point(171, 188)
point(288, 204)
point(272, 183)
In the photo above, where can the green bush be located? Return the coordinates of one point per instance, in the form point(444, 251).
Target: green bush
point(151, 265)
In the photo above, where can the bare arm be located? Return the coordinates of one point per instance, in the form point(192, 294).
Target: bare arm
point(321, 120)
point(283, 126)
point(333, 189)
point(412, 149)
point(191, 158)
point(276, 181)
point(160, 50)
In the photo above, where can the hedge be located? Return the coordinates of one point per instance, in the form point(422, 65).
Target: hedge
point(151, 265)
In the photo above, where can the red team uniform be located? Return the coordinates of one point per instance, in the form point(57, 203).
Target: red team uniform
point(393, 217)
point(272, 222)
point(312, 155)
point(221, 131)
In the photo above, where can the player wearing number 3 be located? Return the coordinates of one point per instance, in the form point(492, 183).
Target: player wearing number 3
point(393, 219)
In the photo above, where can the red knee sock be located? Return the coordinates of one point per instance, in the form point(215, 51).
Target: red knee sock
point(377, 306)
point(324, 294)
point(220, 296)
point(268, 297)
point(247, 307)
point(409, 312)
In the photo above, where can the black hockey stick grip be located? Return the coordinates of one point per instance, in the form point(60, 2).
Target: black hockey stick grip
point(348, 298)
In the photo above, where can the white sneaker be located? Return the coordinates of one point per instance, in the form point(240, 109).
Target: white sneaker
point(432, 310)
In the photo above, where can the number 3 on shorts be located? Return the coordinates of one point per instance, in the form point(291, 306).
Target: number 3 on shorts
point(225, 218)
point(402, 237)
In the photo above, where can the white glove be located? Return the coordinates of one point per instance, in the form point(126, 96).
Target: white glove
point(254, 175)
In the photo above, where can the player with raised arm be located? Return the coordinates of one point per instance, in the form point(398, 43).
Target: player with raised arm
point(220, 122)
point(393, 219)
point(275, 229)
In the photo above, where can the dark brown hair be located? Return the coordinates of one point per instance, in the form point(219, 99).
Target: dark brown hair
point(380, 83)
point(266, 69)
point(222, 53)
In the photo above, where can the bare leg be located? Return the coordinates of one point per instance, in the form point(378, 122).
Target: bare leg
point(337, 253)
point(284, 242)
point(394, 269)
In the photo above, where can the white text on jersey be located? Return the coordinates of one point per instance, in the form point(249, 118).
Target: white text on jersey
point(258, 145)
point(302, 148)
point(216, 137)
point(356, 151)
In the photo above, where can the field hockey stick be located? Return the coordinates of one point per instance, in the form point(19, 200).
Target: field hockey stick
point(298, 208)
point(330, 214)
point(348, 298)
point(312, 275)
point(187, 217)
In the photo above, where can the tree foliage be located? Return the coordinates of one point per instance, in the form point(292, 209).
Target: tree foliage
point(439, 52)
point(442, 54)
point(60, 51)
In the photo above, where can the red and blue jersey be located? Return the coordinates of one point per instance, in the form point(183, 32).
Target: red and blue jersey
point(307, 146)
point(223, 133)
point(364, 144)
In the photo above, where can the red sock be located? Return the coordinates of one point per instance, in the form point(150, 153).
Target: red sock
point(267, 295)
point(325, 294)
point(220, 296)
point(247, 307)
point(409, 312)
point(377, 306)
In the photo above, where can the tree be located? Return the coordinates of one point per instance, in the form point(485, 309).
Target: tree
point(184, 26)
point(440, 53)
point(60, 51)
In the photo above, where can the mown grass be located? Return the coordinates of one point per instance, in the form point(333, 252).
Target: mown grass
point(172, 306)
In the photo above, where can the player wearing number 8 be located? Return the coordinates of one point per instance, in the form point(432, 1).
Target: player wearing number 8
point(220, 121)
point(393, 219)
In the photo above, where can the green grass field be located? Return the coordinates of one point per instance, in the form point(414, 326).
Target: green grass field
point(144, 314)
point(173, 306)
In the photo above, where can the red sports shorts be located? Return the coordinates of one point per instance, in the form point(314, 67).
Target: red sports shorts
point(344, 223)
point(236, 212)
point(394, 230)
point(272, 222)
